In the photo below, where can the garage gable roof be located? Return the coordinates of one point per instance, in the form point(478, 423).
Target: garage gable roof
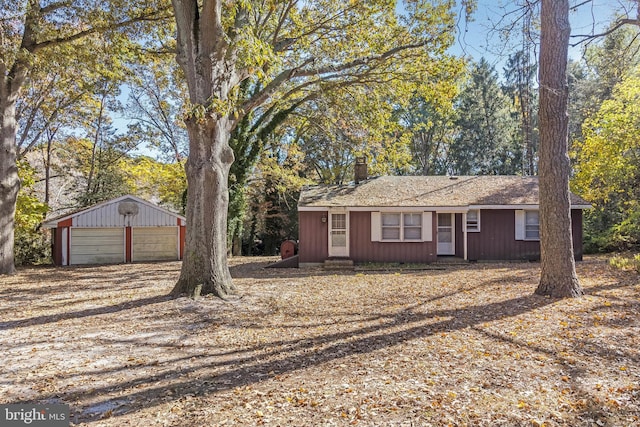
point(113, 213)
point(430, 191)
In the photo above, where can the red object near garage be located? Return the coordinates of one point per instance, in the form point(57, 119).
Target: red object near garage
point(287, 249)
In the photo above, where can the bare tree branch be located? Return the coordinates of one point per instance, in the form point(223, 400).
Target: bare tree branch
point(619, 23)
point(151, 17)
point(55, 6)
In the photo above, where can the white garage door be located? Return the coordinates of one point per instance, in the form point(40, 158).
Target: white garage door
point(155, 243)
point(97, 245)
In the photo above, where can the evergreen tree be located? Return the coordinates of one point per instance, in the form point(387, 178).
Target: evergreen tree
point(520, 76)
point(485, 142)
point(431, 128)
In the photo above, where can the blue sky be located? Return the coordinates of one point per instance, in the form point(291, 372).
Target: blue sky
point(480, 37)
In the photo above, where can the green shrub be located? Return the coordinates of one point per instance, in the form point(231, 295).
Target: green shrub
point(31, 243)
point(32, 247)
point(625, 262)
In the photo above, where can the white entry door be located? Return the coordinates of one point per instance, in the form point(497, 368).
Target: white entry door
point(338, 234)
point(446, 234)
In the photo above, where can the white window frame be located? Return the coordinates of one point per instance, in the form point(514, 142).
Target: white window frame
point(425, 226)
point(411, 226)
point(471, 229)
point(521, 225)
point(401, 227)
point(398, 227)
point(526, 225)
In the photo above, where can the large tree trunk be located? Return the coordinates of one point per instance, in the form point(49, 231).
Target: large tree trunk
point(558, 276)
point(210, 72)
point(11, 80)
point(9, 183)
point(204, 267)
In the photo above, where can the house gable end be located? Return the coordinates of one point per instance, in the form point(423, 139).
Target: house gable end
point(106, 214)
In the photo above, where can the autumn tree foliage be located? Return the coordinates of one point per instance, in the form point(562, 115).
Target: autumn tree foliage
point(608, 167)
point(602, 137)
point(291, 49)
point(32, 30)
point(429, 126)
point(31, 244)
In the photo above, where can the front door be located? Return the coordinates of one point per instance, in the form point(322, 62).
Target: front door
point(446, 234)
point(338, 236)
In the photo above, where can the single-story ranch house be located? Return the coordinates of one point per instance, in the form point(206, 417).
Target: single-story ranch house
point(125, 229)
point(417, 219)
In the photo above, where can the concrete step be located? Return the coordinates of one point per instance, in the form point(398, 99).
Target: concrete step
point(338, 264)
point(451, 260)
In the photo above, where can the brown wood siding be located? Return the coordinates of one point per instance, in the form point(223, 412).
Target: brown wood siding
point(362, 249)
point(576, 231)
point(314, 237)
point(497, 239)
point(459, 236)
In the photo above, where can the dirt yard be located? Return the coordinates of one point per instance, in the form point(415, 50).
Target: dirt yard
point(457, 346)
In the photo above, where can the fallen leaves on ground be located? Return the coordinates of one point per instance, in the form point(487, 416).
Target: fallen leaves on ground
point(462, 345)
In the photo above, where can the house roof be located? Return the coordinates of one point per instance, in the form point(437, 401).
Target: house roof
point(52, 223)
point(427, 191)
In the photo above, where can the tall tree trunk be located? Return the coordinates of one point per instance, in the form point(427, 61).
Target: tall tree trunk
point(11, 80)
point(204, 267)
point(558, 276)
point(90, 190)
point(210, 71)
point(47, 165)
point(9, 183)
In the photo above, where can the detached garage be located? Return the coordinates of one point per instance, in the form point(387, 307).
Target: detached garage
point(121, 230)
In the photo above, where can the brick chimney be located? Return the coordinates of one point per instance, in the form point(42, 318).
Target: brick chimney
point(360, 170)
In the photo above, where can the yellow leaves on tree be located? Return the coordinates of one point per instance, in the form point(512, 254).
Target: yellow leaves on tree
point(150, 179)
point(609, 154)
point(608, 162)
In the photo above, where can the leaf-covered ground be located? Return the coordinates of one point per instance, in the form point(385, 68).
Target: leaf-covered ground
point(459, 345)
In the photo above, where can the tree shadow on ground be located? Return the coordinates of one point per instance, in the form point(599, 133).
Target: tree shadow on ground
point(245, 368)
point(293, 355)
point(589, 406)
point(41, 320)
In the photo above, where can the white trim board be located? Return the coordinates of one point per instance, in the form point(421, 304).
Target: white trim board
point(453, 209)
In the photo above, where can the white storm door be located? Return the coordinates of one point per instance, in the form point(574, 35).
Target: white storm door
point(338, 234)
point(446, 231)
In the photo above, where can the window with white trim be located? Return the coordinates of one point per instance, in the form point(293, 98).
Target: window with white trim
point(473, 220)
point(412, 226)
point(390, 226)
point(401, 226)
point(531, 225)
